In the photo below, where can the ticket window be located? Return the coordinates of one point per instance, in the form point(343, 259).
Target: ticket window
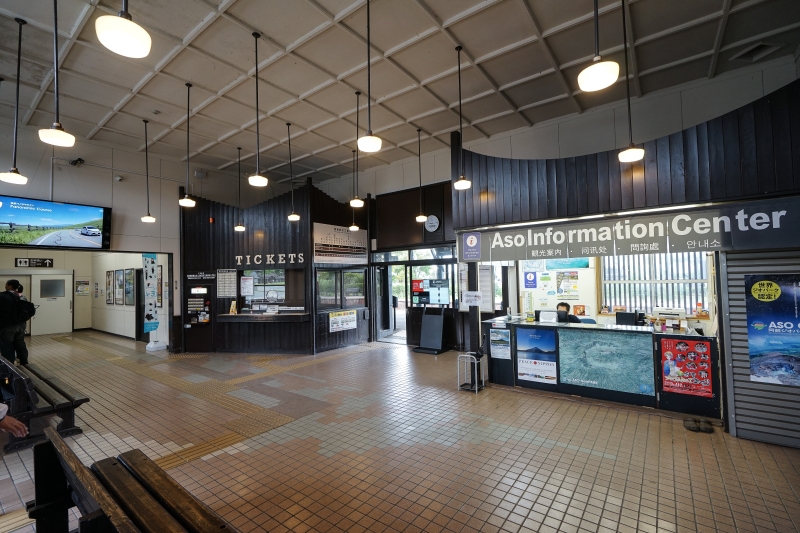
point(276, 287)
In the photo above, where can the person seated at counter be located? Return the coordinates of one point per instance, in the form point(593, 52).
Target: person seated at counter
point(564, 306)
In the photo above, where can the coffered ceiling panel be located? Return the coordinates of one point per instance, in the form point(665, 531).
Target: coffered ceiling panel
point(520, 65)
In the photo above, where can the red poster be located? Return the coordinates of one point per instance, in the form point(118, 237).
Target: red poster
point(417, 285)
point(686, 367)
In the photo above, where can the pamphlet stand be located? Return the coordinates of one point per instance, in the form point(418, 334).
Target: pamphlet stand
point(430, 339)
point(470, 362)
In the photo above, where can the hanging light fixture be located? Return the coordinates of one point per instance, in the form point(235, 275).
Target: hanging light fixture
point(257, 179)
point(369, 143)
point(600, 74)
point(632, 153)
point(55, 134)
point(240, 225)
point(462, 183)
point(186, 201)
point(354, 226)
point(121, 35)
point(13, 175)
point(421, 217)
point(148, 218)
point(356, 201)
point(293, 217)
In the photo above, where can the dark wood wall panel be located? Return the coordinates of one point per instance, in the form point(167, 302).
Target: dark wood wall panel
point(751, 152)
point(395, 224)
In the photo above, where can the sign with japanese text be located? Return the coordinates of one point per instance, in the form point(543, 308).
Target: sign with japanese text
point(686, 367)
point(758, 225)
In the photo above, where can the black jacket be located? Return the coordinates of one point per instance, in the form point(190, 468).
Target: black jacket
point(7, 302)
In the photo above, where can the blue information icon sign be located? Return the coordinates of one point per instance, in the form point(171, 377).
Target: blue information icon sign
point(530, 280)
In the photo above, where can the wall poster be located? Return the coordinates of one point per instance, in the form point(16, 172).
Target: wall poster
point(339, 245)
point(500, 341)
point(130, 284)
point(110, 287)
point(119, 287)
point(343, 320)
point(773, 327)
point(160, 288)
point(567, 285)
point(82, 287)
point(536, 355)
point(686, 367)
point(151, 285)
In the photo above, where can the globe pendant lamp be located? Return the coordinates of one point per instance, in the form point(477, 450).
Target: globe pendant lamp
point(369, 143)
point(356, 201)
point(13, 175)
point(148, 218)
point(56, 135)
point(121, 35)
point(421, 217)
point(632, 153)
point(462, 183)
point(239, 226)
point(293, 217)
point(186, 201)
point(600, 74)
point(257, 179)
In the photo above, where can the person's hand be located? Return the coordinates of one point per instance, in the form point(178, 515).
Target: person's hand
point(13, 426)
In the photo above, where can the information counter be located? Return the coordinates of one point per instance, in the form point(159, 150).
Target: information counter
point(629, 364)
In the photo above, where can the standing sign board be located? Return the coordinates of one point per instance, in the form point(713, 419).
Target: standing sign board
point(150, 280)
point(773, 327)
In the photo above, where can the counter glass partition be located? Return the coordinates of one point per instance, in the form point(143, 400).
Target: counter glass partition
point(275, 287)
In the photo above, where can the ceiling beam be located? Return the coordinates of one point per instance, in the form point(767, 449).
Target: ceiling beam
point(723, 21)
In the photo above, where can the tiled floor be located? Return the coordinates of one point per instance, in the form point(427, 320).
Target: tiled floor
point(376, 438)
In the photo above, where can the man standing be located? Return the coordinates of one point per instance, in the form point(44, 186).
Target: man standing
point(8, 324)
point(19, 337)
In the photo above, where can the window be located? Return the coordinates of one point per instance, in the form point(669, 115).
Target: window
point(328, 289)
point(354, 289)
point(660, 280)
point(389, 257)
point(52, 288)
point(275, 287)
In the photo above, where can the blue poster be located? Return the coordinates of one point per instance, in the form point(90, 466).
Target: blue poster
point(150, 280)
point(530, 280)
point(773, 327)
point(536, 355)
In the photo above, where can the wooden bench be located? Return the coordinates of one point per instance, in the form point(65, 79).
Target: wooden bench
point(34, 392)
point(128, 494)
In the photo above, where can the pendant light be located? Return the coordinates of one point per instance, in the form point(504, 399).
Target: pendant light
point(632, 153)
point(356, 201)
point(148, 218)
point(121, 35)
point(186, 201)
point(240, 225)
point(600, 74)
point(462, 183)
point(56, 135)
point(421, 217)
point(354, 226)
point(293, 217)
point(13, 175)
point(257, 180)
point(369, 143)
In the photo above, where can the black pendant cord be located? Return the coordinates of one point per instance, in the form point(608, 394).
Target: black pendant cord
point(239, 186)
point(369, 79)
point(55, 58)
point(16, 108)
point(597, 29)
point(419, 151)
point(460, 119)
point(188, 112)
point(358, 103)
point(627, 81)
point(291, 173)
point(147, 166)
point(257, 36)
point(354, 173)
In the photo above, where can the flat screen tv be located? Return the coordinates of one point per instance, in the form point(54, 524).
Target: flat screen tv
point(25, 222)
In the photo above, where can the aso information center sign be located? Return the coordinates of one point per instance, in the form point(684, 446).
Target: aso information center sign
point(767, 224)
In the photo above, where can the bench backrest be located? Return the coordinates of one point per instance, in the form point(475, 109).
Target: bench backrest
point(25, 397)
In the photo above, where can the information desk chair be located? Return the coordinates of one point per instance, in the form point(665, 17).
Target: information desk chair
point(587, 320)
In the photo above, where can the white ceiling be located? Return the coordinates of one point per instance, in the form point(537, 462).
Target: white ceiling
point(519, 66)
